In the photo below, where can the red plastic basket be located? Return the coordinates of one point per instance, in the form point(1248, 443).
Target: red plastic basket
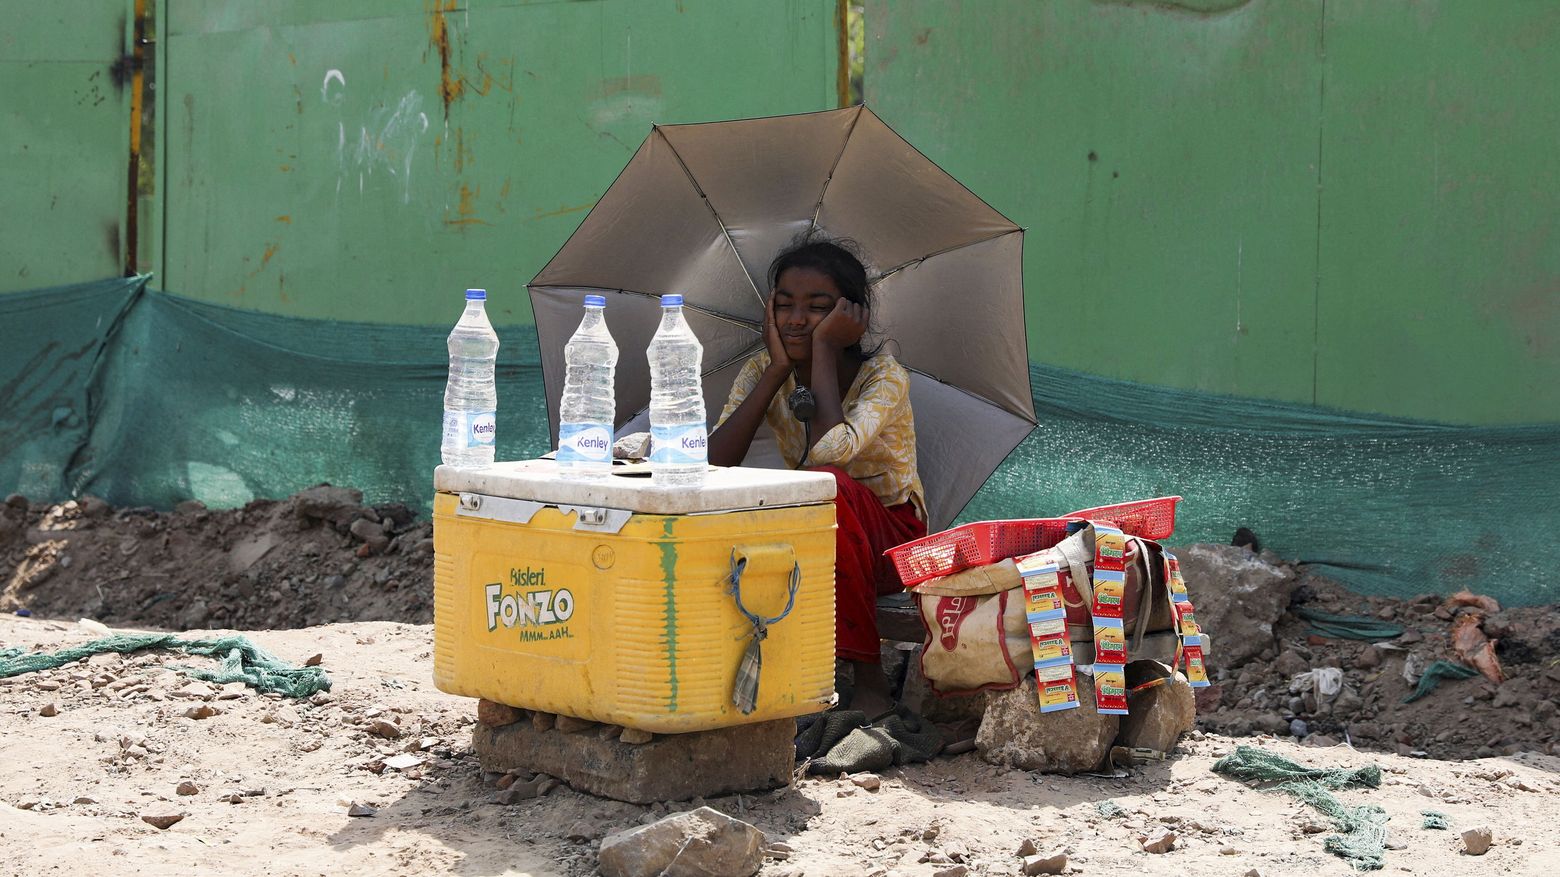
point(974, 544)
point(1147, 518)
point(984, 542)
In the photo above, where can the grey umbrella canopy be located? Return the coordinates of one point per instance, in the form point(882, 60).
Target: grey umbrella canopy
point(701, 210)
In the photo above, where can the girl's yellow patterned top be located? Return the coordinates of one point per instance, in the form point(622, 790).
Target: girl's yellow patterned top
point(875, 444)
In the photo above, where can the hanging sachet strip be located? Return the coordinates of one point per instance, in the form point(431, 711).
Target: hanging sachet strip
point(1110, 640)
point(1189, 632)
point(1055, 682)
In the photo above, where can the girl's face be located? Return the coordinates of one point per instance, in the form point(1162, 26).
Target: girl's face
point(803, 297)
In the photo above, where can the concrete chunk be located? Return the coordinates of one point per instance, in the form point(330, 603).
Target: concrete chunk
point(670, 767)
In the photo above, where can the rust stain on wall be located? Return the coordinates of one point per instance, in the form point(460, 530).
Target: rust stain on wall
point(450, 86)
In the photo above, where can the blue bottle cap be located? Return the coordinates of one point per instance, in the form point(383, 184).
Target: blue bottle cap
point(671, 301)
point(595, 301)
point(476, 295)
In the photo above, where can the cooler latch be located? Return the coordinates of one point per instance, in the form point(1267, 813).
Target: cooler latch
point(520, 511)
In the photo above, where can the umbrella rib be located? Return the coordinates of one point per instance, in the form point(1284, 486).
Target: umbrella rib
point(918, 260)
point(718, 315)
point(725, 232)
point(1029, 417)
point(818, 207)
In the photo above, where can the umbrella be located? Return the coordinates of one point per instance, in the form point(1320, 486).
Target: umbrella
point(702, 209)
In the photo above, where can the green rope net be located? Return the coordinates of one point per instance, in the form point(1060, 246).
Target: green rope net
point(1436, 819)
point(1363, 833)
point(241, 661)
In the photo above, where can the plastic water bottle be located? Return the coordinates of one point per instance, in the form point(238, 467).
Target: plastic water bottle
point(588, 407)
point(470, 398)
point(679, 449)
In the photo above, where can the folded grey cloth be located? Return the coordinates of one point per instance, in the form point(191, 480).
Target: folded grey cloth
point(844, 741)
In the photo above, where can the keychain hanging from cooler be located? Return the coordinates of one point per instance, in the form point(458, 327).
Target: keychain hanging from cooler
point(1190, 639)
point(1110, 636)
point(1055, 683)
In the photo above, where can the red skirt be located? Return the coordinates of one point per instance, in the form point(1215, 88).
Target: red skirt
point(865, 528)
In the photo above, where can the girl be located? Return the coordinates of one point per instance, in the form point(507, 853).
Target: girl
point(835, 408)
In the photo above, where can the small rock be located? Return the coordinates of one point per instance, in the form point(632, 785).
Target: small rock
point(955, 871)
point(931, 832)
point(1253, 873)
point(335, 581)
point(581, 831)
point(204, 711)
point(696, 842)
point(1054, 862)
point(47, 685)
point(385, 729)
point(163, 819)
point(1028, 848)
point(1477, 840)
point(636, 737)
point(1228, 851)
point(1369, 659)
point(357, 809)
point(572, 725)
point(497, 715)
point(402, 762)
point(187, 788)
point(543, 721)
point(195, 689)
point(1411, 636)
point(1157, 840)
point(1298, 728)
point(869, 781)
point(315, 660)
point(85, 799)
point(49, 710)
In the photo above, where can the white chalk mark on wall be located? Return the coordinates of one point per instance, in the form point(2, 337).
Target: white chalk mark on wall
point(386, 142)
point(325, 94)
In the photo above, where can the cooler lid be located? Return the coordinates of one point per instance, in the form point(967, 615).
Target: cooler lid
point(628, 488)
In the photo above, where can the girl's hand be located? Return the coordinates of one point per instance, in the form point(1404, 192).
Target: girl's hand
point(843, 326)
point(778, 358)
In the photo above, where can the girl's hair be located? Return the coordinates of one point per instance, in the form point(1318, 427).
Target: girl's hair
point(838, 259)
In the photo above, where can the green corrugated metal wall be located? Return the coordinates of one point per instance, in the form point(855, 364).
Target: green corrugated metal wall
point(64, 132)
point(1342, 202)
point(368, 160)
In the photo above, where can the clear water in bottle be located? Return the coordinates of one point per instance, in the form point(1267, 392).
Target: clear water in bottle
point(588, 406)
point(470, 397)
point(679, 449)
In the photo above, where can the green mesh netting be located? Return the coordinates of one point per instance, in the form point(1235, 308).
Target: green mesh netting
point(179, 399)
point(1435, 819)
point(1348, 626)
point(241, 661)
point(1362, 842)
point(148, 398)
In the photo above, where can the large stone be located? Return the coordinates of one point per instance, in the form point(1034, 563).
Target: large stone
point(698, 843)
point(1158, 716)
point(1015, 733)
point(323, 502)
point(1238, 596)
point(670, 767)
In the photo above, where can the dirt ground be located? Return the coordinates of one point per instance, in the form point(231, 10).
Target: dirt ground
point(93, 747)
point(273, 781)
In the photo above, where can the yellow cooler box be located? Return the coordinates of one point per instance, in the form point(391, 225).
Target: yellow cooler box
point(613, 601)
